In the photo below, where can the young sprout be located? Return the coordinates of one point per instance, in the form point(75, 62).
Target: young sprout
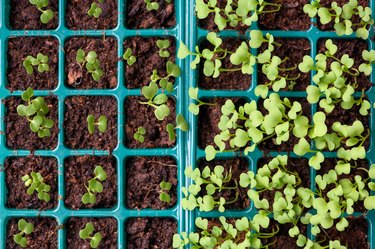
point(151, 5)
point(94, 185)
point(194, 108)
point(41, 61)
point(25, 228)
point(164, 191)
point(87, 233)
point(163, 45)
point(47, 14)
point(101, 124)
point(129, 57)
point(35, 112)
point(95, 10)
point(139, 135)
point(369, 57)
point(34, 182)
point(180, 124)
point(92, 63)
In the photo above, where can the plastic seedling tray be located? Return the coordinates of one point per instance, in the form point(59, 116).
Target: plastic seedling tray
point(186, 151)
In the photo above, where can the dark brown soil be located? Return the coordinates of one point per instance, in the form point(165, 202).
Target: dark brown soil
point(18, 133)
point(289, 17)
point(138, 17)
point(43, 237)
point(143, 176)
point(147, 53)
point(16, 167)
point(281, 240)
point(294, 50)
point(79, 170)
point(237, 167)
point(77, 17)
point(24, 15)
point(354, 236)
point(226, 80)
point(77, 109)
point(138, 115)
point(106, 226)
point(150, 233)
point(21, 47)
point(354, 49)
point(78, 76)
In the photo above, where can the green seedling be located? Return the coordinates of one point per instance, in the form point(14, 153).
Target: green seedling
point(163, 46)
point(47, 14)
point(25, 228)
point(101, 124)
point(91, 62)
point(95, 9)
point(151, 5)
point(165, 187)
point(35, 112)
point(369, 57)
point(35, 182)
point(140, 134)
point(88, 233)
point(94, 185)
point(194, 107)
point(41, 62)
point(129, 57)
point(180, 124)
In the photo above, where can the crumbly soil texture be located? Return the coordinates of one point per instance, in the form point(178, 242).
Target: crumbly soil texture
point(77, 109)
point(138, 115)
point(17, 167)
point(148, 59)
point(150, 233)
point(18, 133)
point(77, 76)
point(106, 226)
point(138, 17)
point(26, 16)
point(143, 176)
point(79, 170)
point(281, 240)
point(77, 17)
point(43, 237)
point(21, 47)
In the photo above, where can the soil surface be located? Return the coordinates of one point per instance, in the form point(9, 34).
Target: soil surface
point(150, 233)
point(16, 167)
point(281, 240)
point(77, 17)
point(289, 17)
point(43, 237)
point(21, 47)
point(138, 17)
point(294, 50)
point(147, 53)
point(138, 115)
point(24, 15)
point(77, 76)
point(143, 176)
point(77, 109)
point(18, 132)
point(106, 226)
point(79, 170)
point(226, 80)
point(237, 167)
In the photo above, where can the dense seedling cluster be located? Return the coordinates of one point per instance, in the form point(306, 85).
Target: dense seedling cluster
point(41, 5)
point(91, 62)
point(41, 62)
point(35, 182)
point(95, 9)
point(88, 233)
point(25, 228)
point(94, 185)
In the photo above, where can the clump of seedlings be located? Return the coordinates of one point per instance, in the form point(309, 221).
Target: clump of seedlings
point(165, 187)
point(35, 182)
point(35, 112)
point(41, 62)
point(88, 233)
point(101, 124)
point(25, 228)
point(95, 9)
point(41, 5)
point(129, 57)
point(91, 62)
point(154, 5)
point(94, 185)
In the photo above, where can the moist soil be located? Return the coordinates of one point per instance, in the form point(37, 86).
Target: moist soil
point(354, 236)
point(106, 226)
point(77, 109)
point(24, 15)
point(79, 170)
point(18, 133)
point(77, 17)
point(16, 167)
point(147, 53)
point(138, 17)
point(281, 240)
point(21, 47)
point(143, 176)
point(237, 166)
point(226, 80)
point(43, 237)
point(77, 76)
point(138, 115)
point(150, 233)
point(294, 50)
point(289, 17)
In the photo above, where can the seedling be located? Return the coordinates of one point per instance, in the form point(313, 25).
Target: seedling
point(129, 57)
point(35, 182)
point(101, 124)
point(151, 5)
point(139, 135)
point(25, 228)
point(369, 57)
point(194, 108)
point(87, 233)
point(94, 185)
point(180, 124)
point(35, 112)
point(165, 187)
point(91, 62)
point(47, 14)
point(95, 9)
point(163, 45)
point(41, 62)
